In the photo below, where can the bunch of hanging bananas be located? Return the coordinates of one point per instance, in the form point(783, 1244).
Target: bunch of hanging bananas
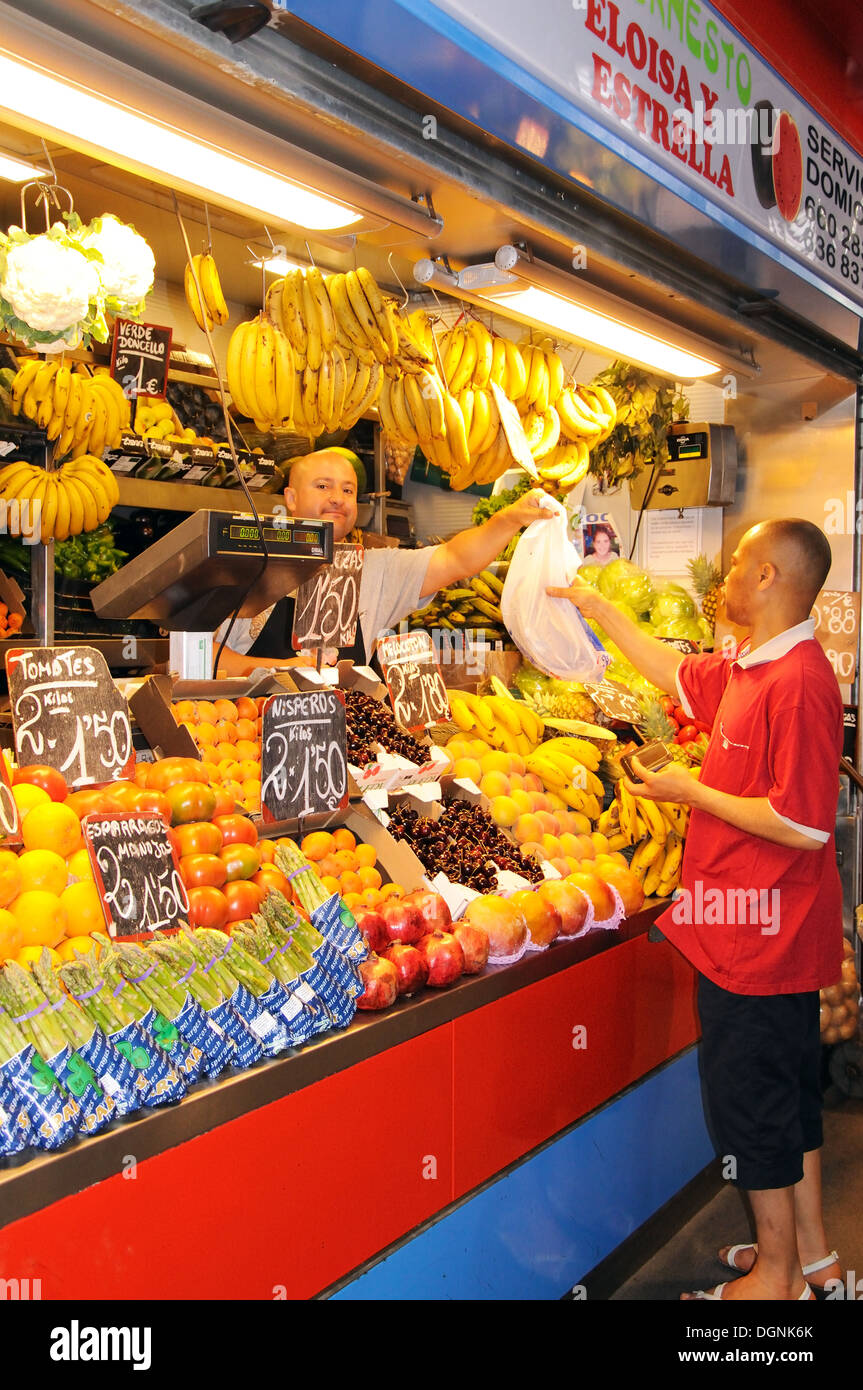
point(213, 309)
point(657, 829)
point(568, 767)
point(473, 606)
point(81, 414)
point(502, 723)
point(79, 497)
point(472, 356)
point(588, 414)
point(260, 371)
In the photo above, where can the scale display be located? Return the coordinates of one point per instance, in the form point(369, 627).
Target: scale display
point(240, 535)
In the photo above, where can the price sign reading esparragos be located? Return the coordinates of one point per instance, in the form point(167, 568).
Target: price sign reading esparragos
point(837, 627)
point(304, 770)
point(416, 687)
point(136, 872)
point(326, 607)
point(68, 714)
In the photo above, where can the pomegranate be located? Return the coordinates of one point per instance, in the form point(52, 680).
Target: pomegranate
point(380, 980)
point(374, 929)
point(474, 942)
point(403, 921)
point(411, 966)
point(433, 908)
point(445, 958)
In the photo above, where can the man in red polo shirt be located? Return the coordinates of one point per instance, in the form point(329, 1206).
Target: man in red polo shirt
point(759, 909)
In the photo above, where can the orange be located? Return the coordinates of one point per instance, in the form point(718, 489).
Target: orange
point(79, 865)
point(267, 851)
point(248, 748)
point(352, 900)
point(369, 878)
point(83, 908)
point(28, 954)
point(249, 768)
point(225, 770)
point(27, 796)
point(191, 729)
point(246, 708)
point(351, 883)
point(53, 827)
point(42, 870)
point(252, 792)
point(370, 897)
point(10, 935)
point(211, 769)
point(247, 729)
point(392, 890)
point(75, 946)
point(227, 731)
point(41, 918)
point(366, 856)
point(184, 712)
point(346, 859)
point(206, 734)
point(343, 839)
point(316, 845)
point(331, 884)
point(10, 877)
point(227, 752)
point(226, 710)
point(206, 712)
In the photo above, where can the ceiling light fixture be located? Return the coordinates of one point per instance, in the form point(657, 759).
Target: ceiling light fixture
point(19, 170)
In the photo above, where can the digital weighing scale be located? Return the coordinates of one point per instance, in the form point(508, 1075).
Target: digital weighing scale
point(193, 578)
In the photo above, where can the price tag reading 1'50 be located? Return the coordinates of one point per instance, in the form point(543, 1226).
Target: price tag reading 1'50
point(416, 687)
point(303, 764)
point(326, 607)
point(68, 714)
point(136, 873)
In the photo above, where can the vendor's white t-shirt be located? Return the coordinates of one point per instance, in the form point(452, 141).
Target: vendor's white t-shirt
point(389, 590)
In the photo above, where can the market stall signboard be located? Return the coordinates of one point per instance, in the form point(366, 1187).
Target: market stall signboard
point(837, 628)
point(140, 358)
point(304, 770)
point(10, 823)
point(68, 714)
point(326, 608)
point(416, 687)
point(615, 700)
point(136, 872)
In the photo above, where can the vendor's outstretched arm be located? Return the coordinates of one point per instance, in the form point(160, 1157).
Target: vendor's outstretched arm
point(470, 551)
point(231, 663)
point(654, 659)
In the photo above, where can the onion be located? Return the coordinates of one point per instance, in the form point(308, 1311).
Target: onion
point(848, 1029)
point(824, 1017)
point(831, 1035)
point(833, 995)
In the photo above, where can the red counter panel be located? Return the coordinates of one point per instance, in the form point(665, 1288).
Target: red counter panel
point(521, 1073)
point(292, 1195)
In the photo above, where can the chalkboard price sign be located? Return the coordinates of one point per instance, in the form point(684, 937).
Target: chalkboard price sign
point(140, 357)
point(414, 681)
point(10, 824)
point(304, 768)
point(136, 872)
point(837, 628)
point(681, 644)
point(68, 714)
point(615, 700)
point(326, 607)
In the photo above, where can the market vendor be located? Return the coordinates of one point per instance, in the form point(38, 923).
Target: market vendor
point(324, 485)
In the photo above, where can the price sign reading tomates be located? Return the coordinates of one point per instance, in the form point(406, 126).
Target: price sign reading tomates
point(414, 681)
point(10, 824)
point(136, 872)
point(304, 770)
point(68, 714)
point(837, 627)
point(326, 607)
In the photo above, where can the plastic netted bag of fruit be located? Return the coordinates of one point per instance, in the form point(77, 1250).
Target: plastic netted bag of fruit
point(550, 632)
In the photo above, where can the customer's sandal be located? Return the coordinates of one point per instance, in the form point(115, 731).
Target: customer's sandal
point(715, 1295)
point(817, 1289)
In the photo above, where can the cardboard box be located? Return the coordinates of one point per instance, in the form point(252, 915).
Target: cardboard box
point(11, 594)
point(151, 700)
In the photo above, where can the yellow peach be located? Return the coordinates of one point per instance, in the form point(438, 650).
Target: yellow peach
point(503, 811)
point(494, 783)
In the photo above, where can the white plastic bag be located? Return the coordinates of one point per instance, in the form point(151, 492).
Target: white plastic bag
point(550, 632)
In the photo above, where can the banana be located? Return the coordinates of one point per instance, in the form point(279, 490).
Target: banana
point(214, 299)
point(113, 424)
point(50, 502)
point(84, 422)
point(385, 409)
point(74, 403)
point(62, 387)
point(346, 318)
point(314, 283)
point(516, 372)
point(498, 361)
point(550, 433)
point(461, 715)
point(311, 319)
point(197, 302)
point(86, 490)
point(273, 305)
point(653, 819)
point(537, 379)
point(485, 354)
point(234, 369)
point(452, 349)
point(433, 397)
point(249, 372)
point(384, 318)
point(63, 514)
point(365, 317)
point(23, 381)
point(555, 376)
point(12, 476)
point(76, 504)
point(310, 400)
point(653, 877)
point(265, 369)
point(283, 374)
point(482, 402)
point(606, 400)
point(292, 312)
point(541, 402)
point(576, 422)
point(465, 405)
point(359, 382)
point(42, 385)
point(534, 429)
point(339, 385)
point(464, 373)
point(99, 427)
point(99, 471)
point(410, 412)
point(456, 434)
point(372, 392)
point(674, 856)
point(493, 424)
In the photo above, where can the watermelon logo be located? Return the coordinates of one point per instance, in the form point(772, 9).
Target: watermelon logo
point(777, 165)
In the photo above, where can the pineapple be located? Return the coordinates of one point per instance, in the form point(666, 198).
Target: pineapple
point(555, 698)
point(655, 723)
point(707, 581)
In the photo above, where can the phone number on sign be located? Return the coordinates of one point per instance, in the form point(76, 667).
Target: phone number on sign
point(822, 234)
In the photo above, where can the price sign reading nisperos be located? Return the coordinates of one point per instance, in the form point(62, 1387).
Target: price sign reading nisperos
point(837, 628)
point(304, 770)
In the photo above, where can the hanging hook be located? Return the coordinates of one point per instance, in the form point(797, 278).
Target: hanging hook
point(401, 284)
point(209, 229)
point(311, 257)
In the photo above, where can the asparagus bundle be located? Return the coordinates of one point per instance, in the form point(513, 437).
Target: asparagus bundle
point(328, 913)
point(115, 1074)
point(218, 1033)
point(16, 1128)
point(303, 1013)
point(176, 1007)
point(122, 1012)
point(38, 1018)
point(254, 998)
point(212, 974)
point(26, 1077)
point(279, 913)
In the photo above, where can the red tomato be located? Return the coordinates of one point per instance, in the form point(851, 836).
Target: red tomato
point(243, 898)
point(124, 794)
point(88, 803)
point(667, 704)
point(153, 803)
point(202, 871)
point(141, 775)
point(199, 837)
point(240, 860)
point(687, 733)
point(208, 907)
point(270, 877)
point(224, 801)
point(175, 844)
point(680, 716)
point(236, 829)
point(267, 851)
point(190, 801)
point(48, 778)
point(168, 771)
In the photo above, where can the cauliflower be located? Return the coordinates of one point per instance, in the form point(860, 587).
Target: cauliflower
point(128, 263)
point(48, 283)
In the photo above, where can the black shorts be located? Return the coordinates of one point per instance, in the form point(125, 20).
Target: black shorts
point(760, 1066)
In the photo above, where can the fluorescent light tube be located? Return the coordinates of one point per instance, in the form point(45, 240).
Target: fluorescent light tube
point(31, 92)
point(19, 171)
point(279, 265)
